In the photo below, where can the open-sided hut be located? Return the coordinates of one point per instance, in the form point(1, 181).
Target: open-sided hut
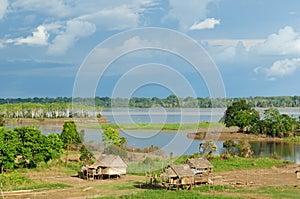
point(109, 165)
point(201, 168)
point(200, 165)
point(178, 176)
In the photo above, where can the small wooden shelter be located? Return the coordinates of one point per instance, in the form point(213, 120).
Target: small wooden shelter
point(105, 166)
point(200, 165)
point(202, 170)
point(110, 165)
point(178, 176)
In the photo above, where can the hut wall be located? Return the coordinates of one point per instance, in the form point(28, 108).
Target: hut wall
point(187, 180)
point(114, 171)
point(298, 175)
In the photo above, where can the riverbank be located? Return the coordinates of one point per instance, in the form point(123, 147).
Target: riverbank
point(232, 133)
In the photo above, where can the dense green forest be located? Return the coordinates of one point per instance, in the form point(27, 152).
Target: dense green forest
point(169, 102)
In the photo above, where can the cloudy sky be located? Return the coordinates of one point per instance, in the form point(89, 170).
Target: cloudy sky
point(254, 44)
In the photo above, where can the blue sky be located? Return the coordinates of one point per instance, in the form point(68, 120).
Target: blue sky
point(254, 44)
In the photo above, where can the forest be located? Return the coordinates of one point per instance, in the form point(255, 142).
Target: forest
point(172, 101)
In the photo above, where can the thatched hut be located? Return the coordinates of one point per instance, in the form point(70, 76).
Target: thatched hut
point(202, 170)
point(178, 176)
point(109, 165)
point(200, 165)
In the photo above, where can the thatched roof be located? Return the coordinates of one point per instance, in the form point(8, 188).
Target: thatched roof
point(199, 163)
point(181, 170)
point(111, 161)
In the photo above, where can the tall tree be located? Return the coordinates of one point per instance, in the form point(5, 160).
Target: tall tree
point(69, 134)
point(9, 141)
point(112, 136)
point(241, 114)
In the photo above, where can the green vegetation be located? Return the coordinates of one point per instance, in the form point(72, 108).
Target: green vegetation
point(112, 136)
point(207, 147)
point(218, 191)
point(273, 124)
point(170, 102)
point(240, 114)
point(166, 127)
point(27, 147)
point(234, 163)
point(70, 135)
point(10, 180)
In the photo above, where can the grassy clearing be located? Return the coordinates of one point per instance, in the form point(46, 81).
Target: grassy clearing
point(164, 127)
point(218, 191)
point(10, 180)
point(17, 181)
point(235, 163)
point(244, 163)
point(45, 186)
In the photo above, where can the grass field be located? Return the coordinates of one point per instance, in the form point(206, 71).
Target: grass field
point(171, 127)
point(217, 191)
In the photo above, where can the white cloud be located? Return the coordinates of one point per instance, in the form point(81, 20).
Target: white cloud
point(3, 8)
point(208, 23)
point(188, 13)
point(280, 68)
point(285, 42)
point(74, 30)
point(56, 8)
point(118, 18)
point(38, 38)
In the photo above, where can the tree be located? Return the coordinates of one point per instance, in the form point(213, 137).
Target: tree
point(275, 124)
point(112, 136)
point(53, 147)
point(69, 134)
point(85, 154)
point(242, 115)
point(9, 142)
point(2, 120)
point(207, 148)
point(36, 147)
point(244, 149)
point(230, 146)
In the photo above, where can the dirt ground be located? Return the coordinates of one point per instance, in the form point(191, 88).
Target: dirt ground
point(282, 176)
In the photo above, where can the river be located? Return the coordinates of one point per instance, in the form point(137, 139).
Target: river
point(179, 143)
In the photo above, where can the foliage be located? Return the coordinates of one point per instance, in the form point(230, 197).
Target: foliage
point(112, 136)
point(27, 147)
point(9, 142)
point(240, 114)
point(234, 163)
point(85, 154)
point(275, 124)
point(12, 180)
point(230, 146)
point(36, 147)
point(69, 134)
point(207, 148)
point(244, 149)
point(2, 120)
point(115, 150)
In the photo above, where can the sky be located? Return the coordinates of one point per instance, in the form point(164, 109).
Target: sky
point(254, 46)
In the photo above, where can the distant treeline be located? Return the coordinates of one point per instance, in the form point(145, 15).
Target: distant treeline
point(170, 102)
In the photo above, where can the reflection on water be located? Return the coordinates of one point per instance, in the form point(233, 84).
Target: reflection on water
point(287, 151)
